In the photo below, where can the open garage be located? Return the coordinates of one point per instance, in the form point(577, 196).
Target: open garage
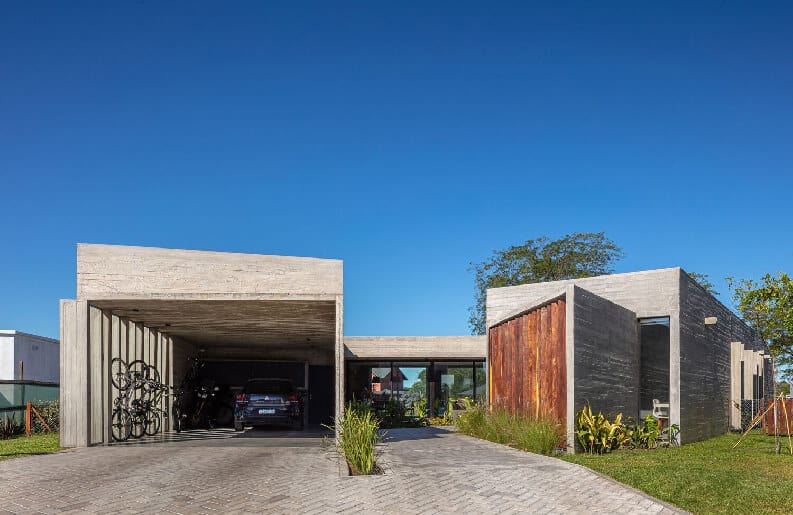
point(196, 319)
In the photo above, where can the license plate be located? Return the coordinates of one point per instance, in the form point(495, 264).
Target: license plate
point(267, 411)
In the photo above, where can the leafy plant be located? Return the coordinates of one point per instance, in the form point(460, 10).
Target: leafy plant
point(644, 434)
point(420, 408)
point(596, 434)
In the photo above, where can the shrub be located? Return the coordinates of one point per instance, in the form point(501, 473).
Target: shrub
point(643, 435)
point(541, 435)
point(50, 412)
point(358, 438)
point(420, 407)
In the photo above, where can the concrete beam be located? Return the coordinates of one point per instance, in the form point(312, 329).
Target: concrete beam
point(415, 347)
point(122, 272)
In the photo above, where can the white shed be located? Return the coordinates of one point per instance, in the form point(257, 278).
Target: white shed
point(27, 357)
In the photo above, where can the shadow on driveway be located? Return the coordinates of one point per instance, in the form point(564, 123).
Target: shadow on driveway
point(224, 437)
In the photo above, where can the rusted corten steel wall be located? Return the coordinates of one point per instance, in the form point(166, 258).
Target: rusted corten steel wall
point(527, 363)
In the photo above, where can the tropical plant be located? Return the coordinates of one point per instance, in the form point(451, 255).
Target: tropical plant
point(596, 434)
point(644, 434)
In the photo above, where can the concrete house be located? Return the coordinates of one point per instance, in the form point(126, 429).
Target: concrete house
point(245, 316)
point(621, 342)
point(617, 341)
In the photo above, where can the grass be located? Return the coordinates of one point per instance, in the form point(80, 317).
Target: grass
point(708, 476)
point(20, 446)
point(358, 439)
point(538, 435)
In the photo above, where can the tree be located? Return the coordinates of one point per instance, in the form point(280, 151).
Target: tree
point(570, 257)
point(704, 281)
point(767, 306)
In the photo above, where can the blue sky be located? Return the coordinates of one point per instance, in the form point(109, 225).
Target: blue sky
point(406, 139)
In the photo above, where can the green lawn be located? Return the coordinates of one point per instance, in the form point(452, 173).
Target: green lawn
point(709, 476)
point(20, 446)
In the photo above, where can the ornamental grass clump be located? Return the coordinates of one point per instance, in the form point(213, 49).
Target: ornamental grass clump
point(541, 435)
point(358, 438)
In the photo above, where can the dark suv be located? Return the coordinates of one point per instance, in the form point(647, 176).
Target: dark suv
point(268, 401)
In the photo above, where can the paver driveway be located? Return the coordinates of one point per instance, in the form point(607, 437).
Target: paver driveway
point(427, 471)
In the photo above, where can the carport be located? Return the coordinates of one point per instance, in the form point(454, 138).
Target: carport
point(243, 315)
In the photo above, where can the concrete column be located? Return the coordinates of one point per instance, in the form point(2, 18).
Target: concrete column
point(569, 345)
point(96, 376)
point(339, 359)
point(123, 339)
point(674, 371)
point(107, 387)
point(74, 390)
point(170, 381)
point(138, 333)
point(147, 346)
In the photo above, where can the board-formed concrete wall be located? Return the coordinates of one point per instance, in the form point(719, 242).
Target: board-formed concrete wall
point(606, 350)
point(651, 293)
point(90, 339)
point(118, 288)
point(700, 370)
point(648, 293)
point(705, 361)
point(415, 347)
point(124, 272)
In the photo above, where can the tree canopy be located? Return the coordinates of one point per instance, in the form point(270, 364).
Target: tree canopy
point(572, 256)
point(704, 281)
point(767, 306)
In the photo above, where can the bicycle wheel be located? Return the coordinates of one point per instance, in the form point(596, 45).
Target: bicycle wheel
point(139, 375)
point(138, 371)
point(121, 425)
point(119, 373)
point(153, 422)
point(138, 424)
point(152, 373)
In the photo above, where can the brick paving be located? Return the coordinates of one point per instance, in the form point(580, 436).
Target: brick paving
point(426, 471)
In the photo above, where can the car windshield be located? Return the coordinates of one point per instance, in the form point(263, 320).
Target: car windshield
point(268, 386)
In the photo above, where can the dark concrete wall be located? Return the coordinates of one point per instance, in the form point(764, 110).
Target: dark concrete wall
point(606, 350)
point(705, 361)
